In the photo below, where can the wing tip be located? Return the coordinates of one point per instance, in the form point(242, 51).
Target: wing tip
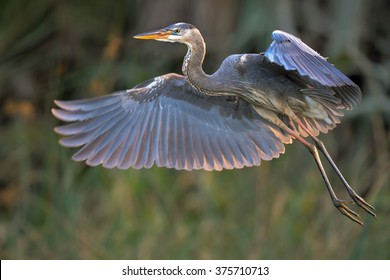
point(281, 36)
point(61, 104)
point(57, 102)
point(54, 111)
point(58, 113)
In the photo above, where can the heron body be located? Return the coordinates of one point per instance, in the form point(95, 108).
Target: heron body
point(243, 113)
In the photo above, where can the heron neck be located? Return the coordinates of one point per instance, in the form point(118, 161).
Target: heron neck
point(192, 67)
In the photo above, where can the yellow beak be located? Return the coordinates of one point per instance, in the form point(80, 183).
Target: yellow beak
point(154, 35)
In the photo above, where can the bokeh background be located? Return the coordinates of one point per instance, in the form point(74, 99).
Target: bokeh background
point(54, 208)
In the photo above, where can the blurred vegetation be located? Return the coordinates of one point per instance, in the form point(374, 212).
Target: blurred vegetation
point(54, 208)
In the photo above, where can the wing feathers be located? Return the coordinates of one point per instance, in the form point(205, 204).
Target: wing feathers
point(292, 54)
point(167, 122)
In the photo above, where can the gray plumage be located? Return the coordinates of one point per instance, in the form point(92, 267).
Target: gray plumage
point(167, 122)
point(243, 113)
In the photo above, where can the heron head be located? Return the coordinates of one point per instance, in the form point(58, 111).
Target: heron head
point(175, 33)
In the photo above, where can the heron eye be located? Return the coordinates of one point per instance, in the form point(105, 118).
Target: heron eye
point(176, 30)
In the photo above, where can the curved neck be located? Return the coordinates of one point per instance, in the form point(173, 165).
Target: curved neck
point(192, 67)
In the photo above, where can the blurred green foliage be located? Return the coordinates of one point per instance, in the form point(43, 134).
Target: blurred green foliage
point(54, 208)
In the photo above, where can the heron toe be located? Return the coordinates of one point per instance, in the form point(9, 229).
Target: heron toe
point(349, 213)
point(363, 204)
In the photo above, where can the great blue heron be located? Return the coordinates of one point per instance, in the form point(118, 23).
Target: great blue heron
point(243, 113)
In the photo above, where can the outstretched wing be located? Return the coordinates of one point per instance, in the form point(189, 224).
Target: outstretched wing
point(290, 52)
point(167, 122)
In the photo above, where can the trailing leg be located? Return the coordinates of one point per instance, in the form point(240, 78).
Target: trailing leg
point(339, 204)
point(356, 198)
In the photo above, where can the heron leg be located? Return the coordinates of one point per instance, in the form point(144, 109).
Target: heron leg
point(356, 198)
point(339, 204)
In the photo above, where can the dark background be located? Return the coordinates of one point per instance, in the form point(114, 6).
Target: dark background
point(52, 207)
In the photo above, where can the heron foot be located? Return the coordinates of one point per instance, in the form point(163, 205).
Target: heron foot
point(363, 204)
point(346, 211)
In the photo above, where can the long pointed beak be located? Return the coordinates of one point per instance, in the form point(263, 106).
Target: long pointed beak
point(154, 35)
